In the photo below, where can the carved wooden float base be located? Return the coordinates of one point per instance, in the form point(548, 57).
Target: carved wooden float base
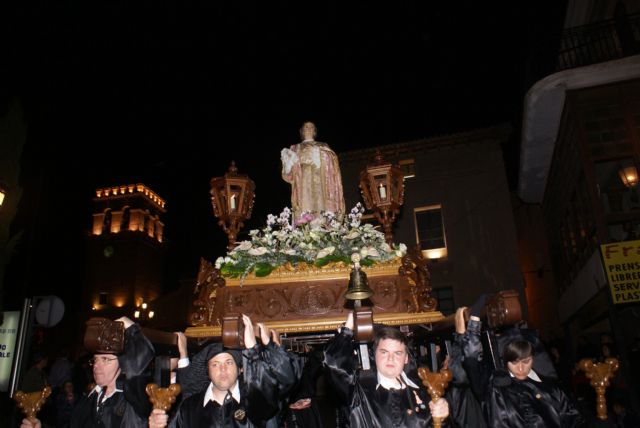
point(320, 324)
point(307, 299)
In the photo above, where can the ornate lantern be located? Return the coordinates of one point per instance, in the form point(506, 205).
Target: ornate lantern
point(382, 186)
point(232, 200)
point(629, 176)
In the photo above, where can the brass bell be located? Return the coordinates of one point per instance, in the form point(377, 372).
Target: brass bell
point(358, 286)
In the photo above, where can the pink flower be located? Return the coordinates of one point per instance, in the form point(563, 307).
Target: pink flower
point(304, 218)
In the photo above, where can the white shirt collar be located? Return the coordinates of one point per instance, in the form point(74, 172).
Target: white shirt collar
point(388, 383)
point(311, 140)
point(98, 390)
point(532, 375)
point(235, 393)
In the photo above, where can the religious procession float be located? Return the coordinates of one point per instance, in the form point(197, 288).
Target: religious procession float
point(312, 264)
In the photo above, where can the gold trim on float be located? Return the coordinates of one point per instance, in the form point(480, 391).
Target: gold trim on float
point(326, 323)
point(306, 272)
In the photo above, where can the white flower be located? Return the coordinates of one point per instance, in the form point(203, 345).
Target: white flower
point(310, 240)
point(325, 252)
point(258, 251)
point(372, 252)
point(352, 235)
point(317, 223)
point(243, 246)
point(219, 262)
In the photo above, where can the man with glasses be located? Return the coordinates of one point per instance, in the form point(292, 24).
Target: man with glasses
point(118, 399)
point(385, 396)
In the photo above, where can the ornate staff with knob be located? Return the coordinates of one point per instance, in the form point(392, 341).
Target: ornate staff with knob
point(600, 374)
point(31, 402)
point(436, 383)
point(162, 398)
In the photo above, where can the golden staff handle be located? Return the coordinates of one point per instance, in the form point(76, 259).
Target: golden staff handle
point(162, 398)
point(31, 402)
point(600, 374)
point(436, 383)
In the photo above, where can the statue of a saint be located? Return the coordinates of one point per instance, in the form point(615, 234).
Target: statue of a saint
point(312, 169)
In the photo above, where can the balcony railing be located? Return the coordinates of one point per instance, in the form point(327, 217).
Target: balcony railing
point(599, 42)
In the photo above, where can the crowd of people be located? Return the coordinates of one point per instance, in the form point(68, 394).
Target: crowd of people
point(266, 385)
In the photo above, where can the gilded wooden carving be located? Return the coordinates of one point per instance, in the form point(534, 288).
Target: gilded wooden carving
point(414, 267)
point(209, 285)
point(302, 299)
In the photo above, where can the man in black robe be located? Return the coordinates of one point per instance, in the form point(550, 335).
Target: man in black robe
point(118, 399)
point(226, 398)
point(384, 397)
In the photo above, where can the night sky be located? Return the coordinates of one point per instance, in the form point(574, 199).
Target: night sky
point(167, 93)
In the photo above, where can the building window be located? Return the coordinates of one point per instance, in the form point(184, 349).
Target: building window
point(102, 298)
point(430, 231)
point(408, 168)
point(444, 296)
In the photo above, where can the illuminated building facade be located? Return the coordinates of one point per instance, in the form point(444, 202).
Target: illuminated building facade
point(126, 251)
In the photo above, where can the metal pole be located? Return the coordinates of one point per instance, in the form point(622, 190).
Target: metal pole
point(23, 328)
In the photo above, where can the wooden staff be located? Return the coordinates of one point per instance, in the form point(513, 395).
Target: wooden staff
point(436, 383)
point(600, 374)
point(31, 402)
point(162, 398)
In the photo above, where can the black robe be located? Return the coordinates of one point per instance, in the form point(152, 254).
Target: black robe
point(513, 403)
point(129, 408)
point(306, 389)
point(465, 409)
point(372, 406)
point(268, 374)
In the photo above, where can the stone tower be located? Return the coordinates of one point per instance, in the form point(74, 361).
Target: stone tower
point(126, 251)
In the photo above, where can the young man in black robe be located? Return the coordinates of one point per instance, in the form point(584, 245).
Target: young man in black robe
point(385, 397)
point(226, 398)
point(118, 399)
point(516, 396)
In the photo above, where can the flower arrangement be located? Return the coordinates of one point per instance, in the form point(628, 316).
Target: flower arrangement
point(317, 240)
